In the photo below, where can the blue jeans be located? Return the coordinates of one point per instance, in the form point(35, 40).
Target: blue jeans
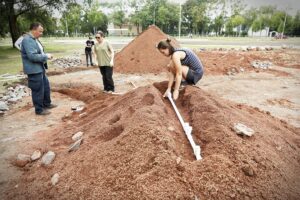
point(40, 90)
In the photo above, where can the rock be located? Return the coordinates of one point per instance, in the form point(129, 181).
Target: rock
point(3, 106)
point(171, 128)
point(55, 179)
point(83, 115)
point(79, 108)
point(268, 48)
point(22, 160)
point(261, 64)
point(1, 113)
point(36, 155)
point(242, 129)
point(248, 171)
point(23, 157)
point(75, 146)
point(48, 158)
point(13, 100)
point(178, 160)
point(77, 136)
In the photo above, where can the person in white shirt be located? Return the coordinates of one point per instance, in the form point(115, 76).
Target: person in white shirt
point(18, 43)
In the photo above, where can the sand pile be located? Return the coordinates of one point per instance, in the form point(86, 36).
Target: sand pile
point(141, 55)
point(134, 148)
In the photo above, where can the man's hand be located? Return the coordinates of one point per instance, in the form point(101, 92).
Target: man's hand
point(175, 94)
point(167, 92)
point(49, 56)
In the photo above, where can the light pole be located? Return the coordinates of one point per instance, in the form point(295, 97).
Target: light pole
point(67, 27)
point(283, 25)
point(154, 12)
point(179, 24)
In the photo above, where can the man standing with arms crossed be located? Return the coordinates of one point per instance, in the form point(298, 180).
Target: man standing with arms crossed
point(34, 65)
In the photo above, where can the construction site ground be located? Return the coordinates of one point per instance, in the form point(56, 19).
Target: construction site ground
point(267, 100)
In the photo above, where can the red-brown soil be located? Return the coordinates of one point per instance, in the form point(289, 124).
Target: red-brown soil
point(130, 152)
point(141, 54)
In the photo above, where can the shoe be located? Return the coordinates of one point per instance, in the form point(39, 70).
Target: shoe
point(44, 112)
point(51, 106)
point(105, 91)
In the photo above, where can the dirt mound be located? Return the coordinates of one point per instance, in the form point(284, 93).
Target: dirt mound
point(135, 148)
point(141, 55)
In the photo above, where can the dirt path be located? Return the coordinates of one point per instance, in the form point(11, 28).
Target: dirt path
point(21, 125)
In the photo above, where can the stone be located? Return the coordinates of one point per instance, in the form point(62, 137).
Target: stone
point(77, 136)
point(48, 158)
point(75, 146)
point(171, 128)
point(13, 100)
point(36, 155)
point(22, 160)
point(241, 129)
point(248, 171)
point(3, 106)
point(178, 160)
point(55, 179)
point(79, 108)
point(23, 157)
point(83, 115)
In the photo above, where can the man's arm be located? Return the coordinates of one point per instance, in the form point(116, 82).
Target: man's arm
point(31, 52)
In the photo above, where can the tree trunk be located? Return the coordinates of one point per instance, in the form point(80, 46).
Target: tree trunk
point(12, 21)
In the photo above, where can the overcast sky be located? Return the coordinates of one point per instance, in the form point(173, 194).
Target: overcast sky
point(292, 6)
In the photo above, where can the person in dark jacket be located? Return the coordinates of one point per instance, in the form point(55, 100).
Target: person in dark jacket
point(88, 51)
point(34, 65)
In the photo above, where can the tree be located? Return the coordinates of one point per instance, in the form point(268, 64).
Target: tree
point(13, 9)
point(41, 15)
point(94, 19)
point(218, 24)
point(194, 12)
point(237, 21)
point(72, 18)
point(249, 16)
point(119, 19)
point(296, 24)
point(136, 17)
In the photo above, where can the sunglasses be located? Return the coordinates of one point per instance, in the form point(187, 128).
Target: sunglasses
point(97, 37)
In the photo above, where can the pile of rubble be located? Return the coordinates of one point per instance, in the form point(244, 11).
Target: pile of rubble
point(67, 62)
point(261, 64)
point(13, 95)
point(249, 48)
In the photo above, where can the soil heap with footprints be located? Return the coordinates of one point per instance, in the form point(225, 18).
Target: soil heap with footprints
point(134, 148)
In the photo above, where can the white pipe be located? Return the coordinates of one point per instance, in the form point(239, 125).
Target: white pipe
point(187, 129)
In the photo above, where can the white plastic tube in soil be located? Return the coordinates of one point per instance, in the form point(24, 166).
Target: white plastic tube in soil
point(187, 129)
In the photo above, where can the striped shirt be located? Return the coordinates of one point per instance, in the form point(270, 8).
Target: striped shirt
point(191, 60)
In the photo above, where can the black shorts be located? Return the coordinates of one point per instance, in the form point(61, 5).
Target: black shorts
point(193, 77)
